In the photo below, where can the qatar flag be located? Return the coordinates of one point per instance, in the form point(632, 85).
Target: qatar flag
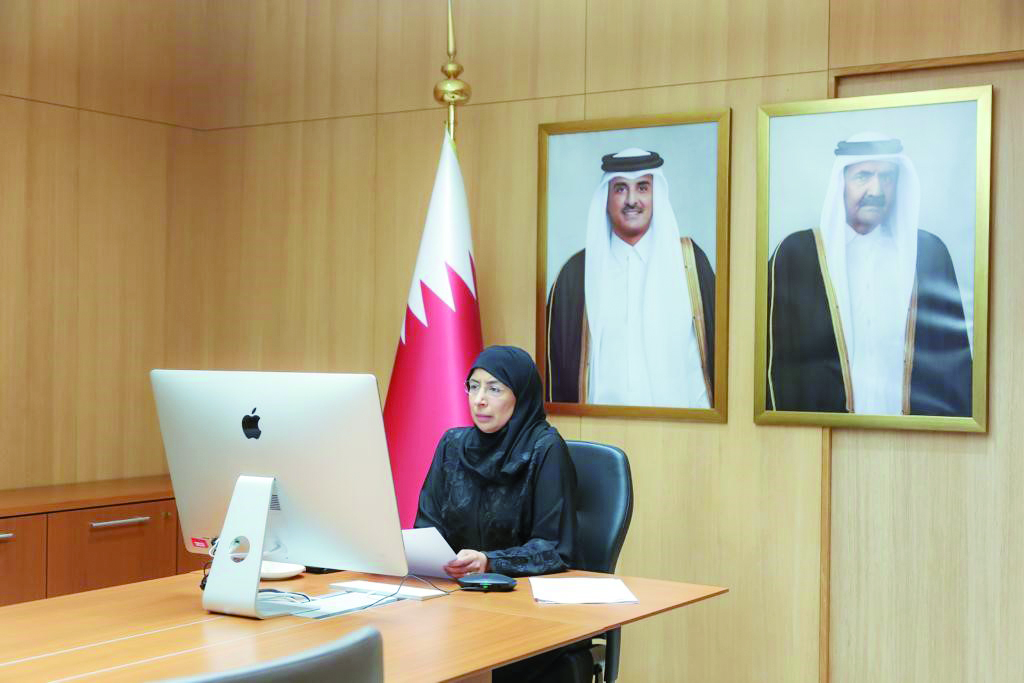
point(440, 338)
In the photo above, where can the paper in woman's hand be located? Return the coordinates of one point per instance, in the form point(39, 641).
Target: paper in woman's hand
point(427, 552)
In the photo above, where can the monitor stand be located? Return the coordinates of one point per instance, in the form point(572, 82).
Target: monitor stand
point(232, 586)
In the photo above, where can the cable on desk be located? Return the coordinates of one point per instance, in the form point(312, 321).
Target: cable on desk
point(433, 585)
point(385, 597)
point(288, 594)
point(398, 590)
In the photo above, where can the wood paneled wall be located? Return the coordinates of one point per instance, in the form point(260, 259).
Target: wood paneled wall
point(273, 268)
point(274, 225)
point(197, 63)
point(927, 533)
point(735, 504)
point(879, 32)
point(38, 279)
point(83, 220)
point(137, 59)
point(285, 60)
point(518, 49)
point(687, 41)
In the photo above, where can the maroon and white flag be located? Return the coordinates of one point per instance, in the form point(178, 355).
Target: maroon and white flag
point(440, 338)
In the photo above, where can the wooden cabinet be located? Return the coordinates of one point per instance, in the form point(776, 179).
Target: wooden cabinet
point(22, 558)
point(108, 546)
point(77, 537)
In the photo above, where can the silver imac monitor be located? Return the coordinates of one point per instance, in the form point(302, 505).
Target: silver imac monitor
point(297, 458)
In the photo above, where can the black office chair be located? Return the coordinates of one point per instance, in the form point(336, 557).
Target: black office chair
point(355, 658)
point(604, 510)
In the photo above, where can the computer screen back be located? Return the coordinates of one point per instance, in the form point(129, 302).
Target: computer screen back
point(320, 436)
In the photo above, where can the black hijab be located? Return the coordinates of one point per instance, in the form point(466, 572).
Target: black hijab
point(499, 457)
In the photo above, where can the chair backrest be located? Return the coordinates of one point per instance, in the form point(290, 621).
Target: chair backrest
point(355, 658)
point(604, 503)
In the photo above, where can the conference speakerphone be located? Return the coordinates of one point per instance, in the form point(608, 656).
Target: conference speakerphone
point(487, 582)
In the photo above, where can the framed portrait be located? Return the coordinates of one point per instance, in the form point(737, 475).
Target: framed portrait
point(632, 276)
point(872, 261)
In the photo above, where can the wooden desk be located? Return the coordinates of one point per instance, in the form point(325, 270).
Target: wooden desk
point(158, 629)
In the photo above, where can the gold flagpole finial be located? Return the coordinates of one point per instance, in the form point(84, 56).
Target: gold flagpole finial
point(451, 91)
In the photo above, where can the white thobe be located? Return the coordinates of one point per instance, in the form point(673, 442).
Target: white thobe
point(618, 370)
point(878, 325)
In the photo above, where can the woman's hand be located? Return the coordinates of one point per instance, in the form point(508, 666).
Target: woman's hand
point(466, 562)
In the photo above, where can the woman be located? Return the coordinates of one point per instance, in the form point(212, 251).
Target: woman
point(504, 490)
point(504, 493)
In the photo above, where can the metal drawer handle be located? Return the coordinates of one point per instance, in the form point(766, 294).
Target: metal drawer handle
point(7, 536)
point(119, 522)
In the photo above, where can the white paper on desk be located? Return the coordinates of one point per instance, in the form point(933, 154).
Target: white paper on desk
point(580, 591)
point(426, 551)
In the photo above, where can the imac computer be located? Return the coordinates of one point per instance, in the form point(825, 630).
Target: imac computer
point(288, 467)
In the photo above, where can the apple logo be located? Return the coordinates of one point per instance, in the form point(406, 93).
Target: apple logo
point(251, 425)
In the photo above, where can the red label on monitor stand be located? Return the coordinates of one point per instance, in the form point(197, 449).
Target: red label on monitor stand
point(200, 542)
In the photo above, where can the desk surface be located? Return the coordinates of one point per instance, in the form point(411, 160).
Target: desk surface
point(158, 629)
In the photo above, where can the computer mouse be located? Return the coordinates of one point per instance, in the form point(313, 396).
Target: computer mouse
point(487, 582)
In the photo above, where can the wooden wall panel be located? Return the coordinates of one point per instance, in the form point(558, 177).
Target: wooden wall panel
point(879, 31)
point(122, 183)
point(134, 58)
point(499, 160)
point(84, 224)
point(512, 49)
point(735, 505)
point(39, 50)
point(286, 60)
point(196, 63)
point(38, 279)
point(124, 57)
point(276, 269)
point(191, 264)
point(927, 533)
point(408, 149)
point(497, 147)
point(663, 42)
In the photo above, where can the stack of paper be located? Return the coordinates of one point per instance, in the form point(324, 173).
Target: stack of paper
point(580, 591)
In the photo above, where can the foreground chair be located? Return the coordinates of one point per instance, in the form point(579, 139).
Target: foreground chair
point(603, 513)
point(356, 658)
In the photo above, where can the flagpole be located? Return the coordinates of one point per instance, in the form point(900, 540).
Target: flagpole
point(451, 91)
point(441, 333)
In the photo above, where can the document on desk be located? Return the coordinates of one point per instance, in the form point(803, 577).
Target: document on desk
point(334, 604)
point(426, 551)
point(580, 591)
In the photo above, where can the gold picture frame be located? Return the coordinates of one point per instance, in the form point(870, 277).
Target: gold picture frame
point(691, 152)
point(926, 165)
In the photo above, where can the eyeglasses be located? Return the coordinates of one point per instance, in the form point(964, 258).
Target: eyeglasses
point(491, 389)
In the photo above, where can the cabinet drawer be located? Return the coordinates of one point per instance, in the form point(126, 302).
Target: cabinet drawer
point(22, 558)
point(109, 546)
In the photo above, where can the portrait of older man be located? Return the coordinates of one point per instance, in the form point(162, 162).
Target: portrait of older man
point(864, 311)
point(631, 317)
